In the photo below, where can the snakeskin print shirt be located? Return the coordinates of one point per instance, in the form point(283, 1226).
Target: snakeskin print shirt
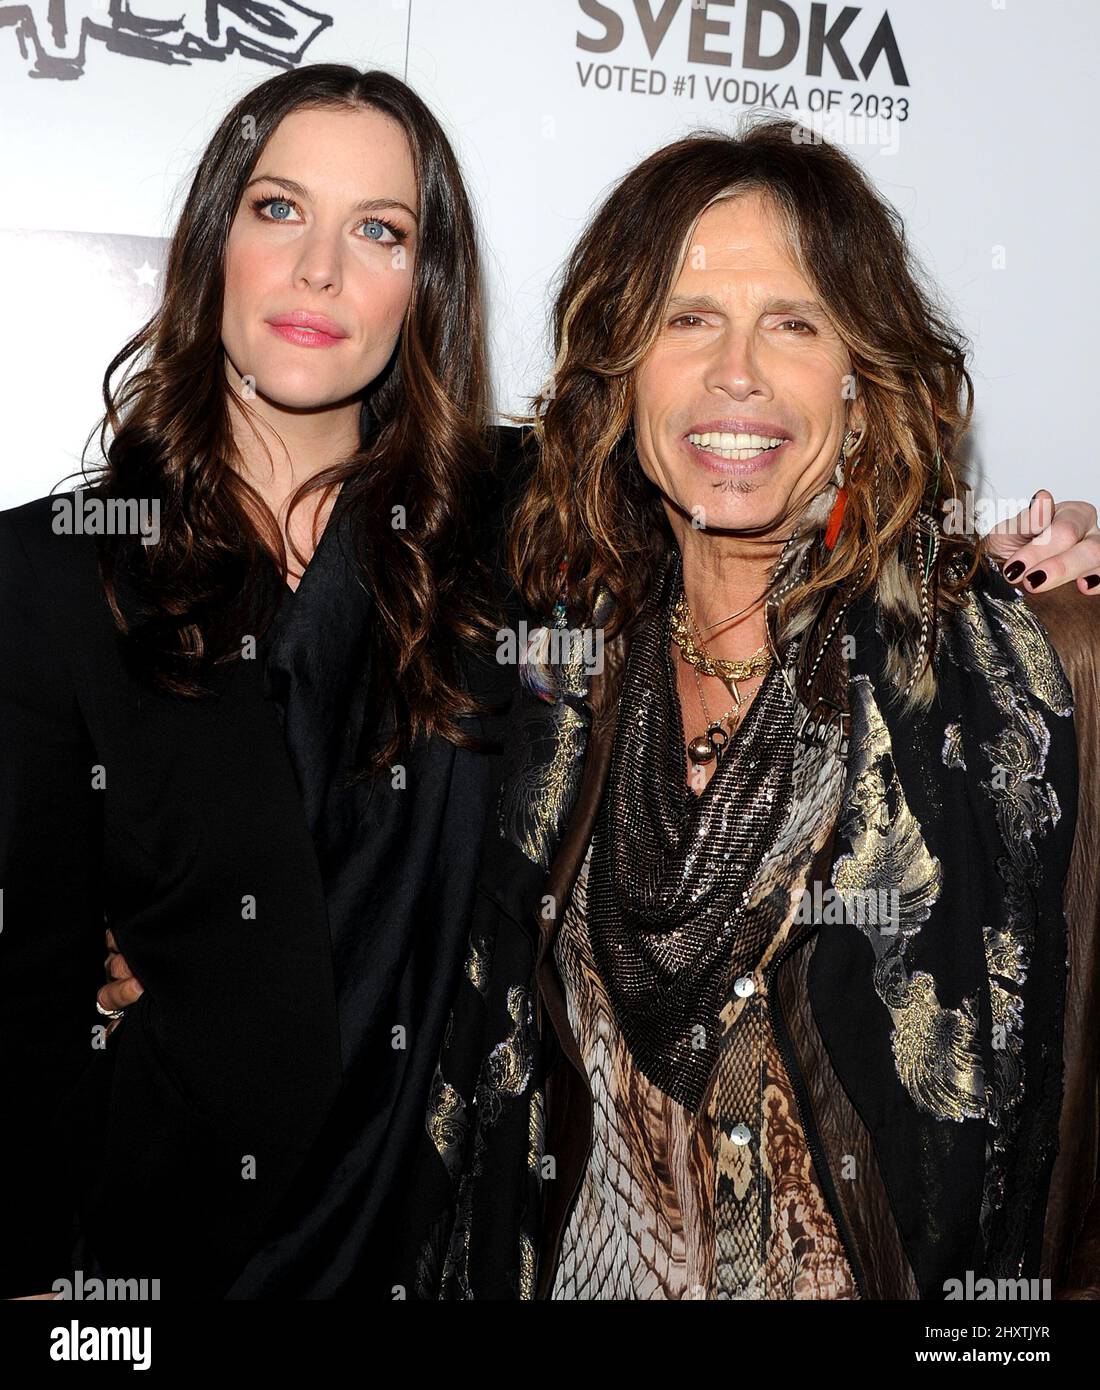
point(723, 1204)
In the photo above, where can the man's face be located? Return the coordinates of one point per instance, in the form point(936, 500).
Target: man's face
point(741, 403)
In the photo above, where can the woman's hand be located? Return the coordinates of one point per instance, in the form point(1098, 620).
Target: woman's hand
point(1047, 545)
point(122, 988)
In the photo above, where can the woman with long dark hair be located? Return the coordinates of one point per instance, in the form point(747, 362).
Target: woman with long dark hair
point(248, 719)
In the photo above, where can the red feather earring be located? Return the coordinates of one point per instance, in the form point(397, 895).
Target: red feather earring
point(836, 516)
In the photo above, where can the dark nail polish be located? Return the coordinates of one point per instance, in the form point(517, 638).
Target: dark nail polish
point(1014, 570)
point(1091, 581)
point(1036, 577)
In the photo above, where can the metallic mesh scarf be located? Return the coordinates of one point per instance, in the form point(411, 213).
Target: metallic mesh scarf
point(671, 869)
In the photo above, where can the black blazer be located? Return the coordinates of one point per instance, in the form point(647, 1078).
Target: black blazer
point(159, 816)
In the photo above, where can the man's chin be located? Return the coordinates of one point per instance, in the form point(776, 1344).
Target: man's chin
point(727, 518)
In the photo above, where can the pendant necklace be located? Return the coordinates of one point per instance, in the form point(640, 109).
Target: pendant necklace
point(712, 742)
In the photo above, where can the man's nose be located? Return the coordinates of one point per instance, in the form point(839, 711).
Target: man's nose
point(734, 366)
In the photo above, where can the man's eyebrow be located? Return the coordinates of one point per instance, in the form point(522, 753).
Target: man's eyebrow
point(808, 308)
point(367, 205)
point(681, 302)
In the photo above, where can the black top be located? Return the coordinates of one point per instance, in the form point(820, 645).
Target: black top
point(397, 855)
point(178, 822)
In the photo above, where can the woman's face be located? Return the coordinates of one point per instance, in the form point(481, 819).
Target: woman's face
point(741, 404)
point(327, 226)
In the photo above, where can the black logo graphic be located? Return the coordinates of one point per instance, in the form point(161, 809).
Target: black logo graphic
point(54, 35)
point(710, 24)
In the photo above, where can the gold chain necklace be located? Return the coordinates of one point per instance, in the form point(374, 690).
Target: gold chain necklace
point(711, 744)
point(683, 625)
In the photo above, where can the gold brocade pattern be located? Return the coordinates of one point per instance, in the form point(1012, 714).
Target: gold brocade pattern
point(509, 1065)
point(504, 1077)
point(1034, 657)
point(952, 747)
point(477, 965)
point(1026, 806)
point(936, 1050)
point(536, 799)
point(547, 749)
point(446, 1121)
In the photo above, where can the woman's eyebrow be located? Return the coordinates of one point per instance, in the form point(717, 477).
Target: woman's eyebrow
point(367, 205)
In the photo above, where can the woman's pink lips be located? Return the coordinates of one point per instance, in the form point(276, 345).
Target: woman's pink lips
point(304, 337)
point(716, 464)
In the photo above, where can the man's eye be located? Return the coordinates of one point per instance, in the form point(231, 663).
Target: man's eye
point(684, 318)
point(798, 323)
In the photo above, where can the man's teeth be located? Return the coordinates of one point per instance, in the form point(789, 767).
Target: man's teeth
point(737, 447)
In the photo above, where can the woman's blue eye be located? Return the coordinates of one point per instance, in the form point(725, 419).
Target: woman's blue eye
point(262, 206)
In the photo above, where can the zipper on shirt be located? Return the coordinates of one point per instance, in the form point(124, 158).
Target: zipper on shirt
point(805, 1113)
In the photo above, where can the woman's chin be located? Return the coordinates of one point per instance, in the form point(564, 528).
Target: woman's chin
point(298, 390)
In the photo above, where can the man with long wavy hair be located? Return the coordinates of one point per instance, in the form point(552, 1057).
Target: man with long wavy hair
point(798, 1022)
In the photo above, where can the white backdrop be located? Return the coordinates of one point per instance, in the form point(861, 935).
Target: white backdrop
point(981, 136)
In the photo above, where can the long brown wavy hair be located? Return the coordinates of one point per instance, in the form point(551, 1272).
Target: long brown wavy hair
point(422, 440)
point(590, 507)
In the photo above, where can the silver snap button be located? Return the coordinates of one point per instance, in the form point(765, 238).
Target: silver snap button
point(743, 986)
point(740, 1134)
